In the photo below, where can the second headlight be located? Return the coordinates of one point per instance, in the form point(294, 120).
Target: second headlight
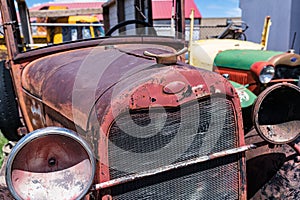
point(266, 74)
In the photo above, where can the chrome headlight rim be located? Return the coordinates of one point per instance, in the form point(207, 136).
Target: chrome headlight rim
point(266, 74)
point(257, 109)
point(46, 132)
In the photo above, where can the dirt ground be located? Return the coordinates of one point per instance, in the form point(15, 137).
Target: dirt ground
point(273, 171)
point(285, 184)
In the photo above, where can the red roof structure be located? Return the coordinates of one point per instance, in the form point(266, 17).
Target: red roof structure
point(69, 5)
point(162, 9)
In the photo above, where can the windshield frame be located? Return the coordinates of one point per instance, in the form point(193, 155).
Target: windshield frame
point(19, 52)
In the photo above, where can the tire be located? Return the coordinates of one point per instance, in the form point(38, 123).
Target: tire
point(9, 113)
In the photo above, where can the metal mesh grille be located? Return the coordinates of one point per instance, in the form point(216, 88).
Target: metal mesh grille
point(151, 139)
point(213, 180)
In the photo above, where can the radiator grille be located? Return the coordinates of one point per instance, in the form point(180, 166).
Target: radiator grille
point(285, 71)
point(151, 139)
point(213, 180)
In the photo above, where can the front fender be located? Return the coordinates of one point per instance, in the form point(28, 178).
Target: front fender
point(247, 98)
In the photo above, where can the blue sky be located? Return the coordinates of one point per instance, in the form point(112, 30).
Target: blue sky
point(208, 8)
point(219, 8)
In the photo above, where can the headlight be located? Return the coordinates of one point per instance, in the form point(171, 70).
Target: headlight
point(278, 126)
point(266, 74)
point(50, 163)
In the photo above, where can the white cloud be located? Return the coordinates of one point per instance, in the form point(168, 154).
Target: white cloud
point(235, 12)
point(36, 4)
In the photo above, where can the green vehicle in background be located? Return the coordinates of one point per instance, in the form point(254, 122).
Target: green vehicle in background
point(267, 82)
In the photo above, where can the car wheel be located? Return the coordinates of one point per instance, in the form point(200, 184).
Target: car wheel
point(9, 114)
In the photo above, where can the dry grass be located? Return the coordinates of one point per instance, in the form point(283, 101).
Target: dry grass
point(3, 141)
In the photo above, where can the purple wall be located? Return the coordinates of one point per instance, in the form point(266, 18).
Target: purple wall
point(284, 14)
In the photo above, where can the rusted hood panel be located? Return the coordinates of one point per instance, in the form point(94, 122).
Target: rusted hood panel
point(149, 89)
point(72, 81)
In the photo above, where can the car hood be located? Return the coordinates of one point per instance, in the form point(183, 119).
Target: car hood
point(242, 59)
point(58, 79)
point(89, 81)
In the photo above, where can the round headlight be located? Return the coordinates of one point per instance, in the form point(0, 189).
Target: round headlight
point(50, 163)
point(266, 74)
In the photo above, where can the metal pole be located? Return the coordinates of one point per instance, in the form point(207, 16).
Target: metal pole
point(172, 19)
point(183, 19)
point(180, 19)
point(191, 34)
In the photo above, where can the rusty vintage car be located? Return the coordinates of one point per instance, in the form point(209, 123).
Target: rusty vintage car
point(119, 118)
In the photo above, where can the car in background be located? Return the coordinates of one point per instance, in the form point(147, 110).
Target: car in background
point(274, 77)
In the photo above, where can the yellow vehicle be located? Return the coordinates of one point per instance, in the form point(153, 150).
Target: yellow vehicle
point(60, 29)
point(75, 30)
